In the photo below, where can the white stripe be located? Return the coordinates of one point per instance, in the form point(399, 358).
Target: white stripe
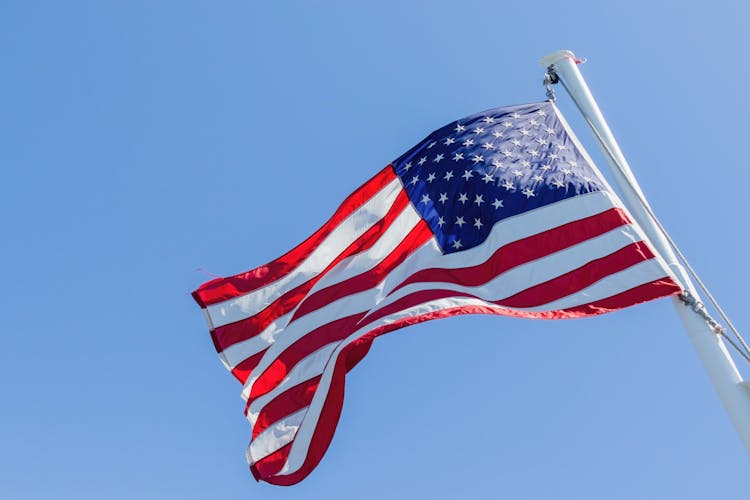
point(528, 224)
point(351, 228)
point(340, 308)
point(304, 434)
point(641, 273)
point(298, 453)
point(502, 286)
point(274, 437)
point(347, 268)
point(302, 439)
point(237, 353)
point(309, 367)
point(638, 274)
point(622, 281)
point(365, 261)
point(429, 255)
point(529, 274)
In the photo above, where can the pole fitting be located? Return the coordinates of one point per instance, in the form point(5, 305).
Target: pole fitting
point(696, 305)
point(550, 78)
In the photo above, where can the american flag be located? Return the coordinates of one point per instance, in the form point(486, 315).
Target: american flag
point(501, 212)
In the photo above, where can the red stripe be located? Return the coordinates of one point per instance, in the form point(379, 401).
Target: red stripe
point(642, 293)
point(340, 328)
point(524, 250)
point(510, 255)
point(243, 369)
point(222, 289)
point(272, 464)
point(355, 351)
point(551, 290)
point(420, 234)
point(580, 278)
point(330, 413)
point(232, 333)
point(542, 294)
point(285, 404)
point(311, 342)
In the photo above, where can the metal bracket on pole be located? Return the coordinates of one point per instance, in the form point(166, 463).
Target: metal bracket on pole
point(728, 382)
point(550, 78)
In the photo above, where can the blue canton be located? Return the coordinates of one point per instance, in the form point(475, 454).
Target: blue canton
point(474, 172)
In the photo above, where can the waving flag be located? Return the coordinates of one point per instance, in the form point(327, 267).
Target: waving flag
point(499, 213)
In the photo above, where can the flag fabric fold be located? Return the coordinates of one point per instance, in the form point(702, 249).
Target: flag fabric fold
point(501, 212)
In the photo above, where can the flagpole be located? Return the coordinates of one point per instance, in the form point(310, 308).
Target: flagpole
point(733, 392)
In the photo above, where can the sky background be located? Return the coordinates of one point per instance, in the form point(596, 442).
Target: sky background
point(142, 140)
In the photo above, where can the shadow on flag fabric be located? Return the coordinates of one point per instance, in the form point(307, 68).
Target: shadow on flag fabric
point(501, 212)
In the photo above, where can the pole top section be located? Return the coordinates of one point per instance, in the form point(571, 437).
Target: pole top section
point(551, 59)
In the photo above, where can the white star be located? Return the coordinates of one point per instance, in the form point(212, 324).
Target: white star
point(469, 142)
point(541, 141)
point(425, 199)
point(573, 163)
point(443, 197)
point(441, 221)
point(507, 153)
point(515, 115)
point(554, 156)
point(524, 132)
point(460, 221)
point(525, 163)
point(566, 171)
point(467, 174)
point(488, 178)
point(463, 198)
point(457, 244)
point(533, 122)
point(497, 134)
point(407, 167)
point(448, 175)
point(477, 159)
point(431, 177)
point(518, 173)
point(449, 141)
point(489, 119)
point(549, 131)
point(497, 164)
point(528, 192)
point(422, 160)
point(438, 158)
point(458, 156)
point(479, 130)
point(414, 180)
point(538, 178)
point(478, 223)
point(561, 147)
point(488, 145)
point(546, 167)
point(508, 185)
point(459, 128)
point(497, 203)
point(541, 112)
point(507, 124)
point(516, 142)
point(479, 199)
point(534, 153)
point(429, 146)
point(558, 183)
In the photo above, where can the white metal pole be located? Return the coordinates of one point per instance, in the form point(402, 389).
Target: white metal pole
point(733, 393)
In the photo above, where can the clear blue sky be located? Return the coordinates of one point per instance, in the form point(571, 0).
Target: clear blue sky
point(141, 140)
